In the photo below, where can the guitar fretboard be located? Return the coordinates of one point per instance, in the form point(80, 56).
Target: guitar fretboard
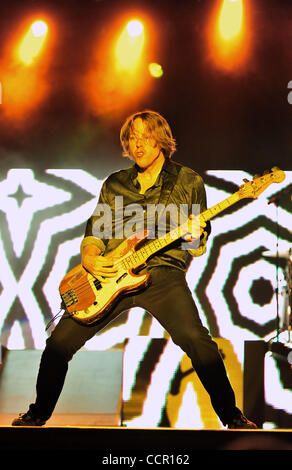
point(221, 206)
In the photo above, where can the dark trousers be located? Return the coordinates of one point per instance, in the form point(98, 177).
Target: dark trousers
point(170, 301)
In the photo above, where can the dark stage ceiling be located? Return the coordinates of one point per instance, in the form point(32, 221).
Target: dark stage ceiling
point(239, 118)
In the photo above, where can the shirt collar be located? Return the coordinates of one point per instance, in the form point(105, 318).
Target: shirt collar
point(169, 166)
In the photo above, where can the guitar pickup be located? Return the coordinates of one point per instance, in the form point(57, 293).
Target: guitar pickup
point(69, 298)
point(97, 284)
point(121, 277)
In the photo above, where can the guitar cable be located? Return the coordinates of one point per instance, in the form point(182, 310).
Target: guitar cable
point(69, 315)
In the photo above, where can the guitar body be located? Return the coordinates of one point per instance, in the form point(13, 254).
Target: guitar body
point(88, 299)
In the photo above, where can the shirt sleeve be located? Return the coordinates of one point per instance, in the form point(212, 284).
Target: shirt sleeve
point(198, 196)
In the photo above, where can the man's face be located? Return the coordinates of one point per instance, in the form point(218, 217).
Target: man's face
point(142, 145)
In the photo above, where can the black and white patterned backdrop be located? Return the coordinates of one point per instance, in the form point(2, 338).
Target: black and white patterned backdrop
point(43, 216)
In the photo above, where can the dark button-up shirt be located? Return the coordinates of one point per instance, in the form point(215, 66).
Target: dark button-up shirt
point(115, 217)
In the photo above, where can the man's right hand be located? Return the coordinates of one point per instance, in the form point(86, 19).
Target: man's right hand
point(100, 267)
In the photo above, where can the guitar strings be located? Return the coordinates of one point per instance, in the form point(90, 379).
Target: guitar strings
point(85, 286)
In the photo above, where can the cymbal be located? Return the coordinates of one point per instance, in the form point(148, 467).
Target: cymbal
point(274, 254)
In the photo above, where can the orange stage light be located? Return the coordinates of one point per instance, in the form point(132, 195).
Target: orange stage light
point(23, 77)
point(32, 42)
point(120, 75)
point(228, 34)
point(129, 46)
point(230, 19)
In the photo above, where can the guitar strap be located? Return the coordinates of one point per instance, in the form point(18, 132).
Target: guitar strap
point(168, 185)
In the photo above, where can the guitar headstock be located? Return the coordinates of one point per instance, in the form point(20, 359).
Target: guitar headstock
point(258, 185)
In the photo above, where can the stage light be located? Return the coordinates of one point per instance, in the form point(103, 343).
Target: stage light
point(231, 19)
point(39, 28)
point(24, 68)
point(135, 28)
point(229, 34)
point(130, 46)
point(32, 42)
point(155, 70)
point(119, 72)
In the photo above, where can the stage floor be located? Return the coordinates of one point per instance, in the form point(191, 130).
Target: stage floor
point(107, 444)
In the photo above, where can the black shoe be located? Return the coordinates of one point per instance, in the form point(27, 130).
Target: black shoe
point(241, 422)
point(27, 419)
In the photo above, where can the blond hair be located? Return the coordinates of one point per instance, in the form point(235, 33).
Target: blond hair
point(158, 128)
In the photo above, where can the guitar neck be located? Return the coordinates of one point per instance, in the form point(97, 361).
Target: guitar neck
point(142, 254)
point(220, 207)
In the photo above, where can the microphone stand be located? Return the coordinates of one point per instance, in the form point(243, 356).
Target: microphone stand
point(289, 292)
point(277, 270)
point(277, 274)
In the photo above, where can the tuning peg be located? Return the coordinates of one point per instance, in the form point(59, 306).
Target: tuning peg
point(275, 168)
point(266, 172)
point(256, 176)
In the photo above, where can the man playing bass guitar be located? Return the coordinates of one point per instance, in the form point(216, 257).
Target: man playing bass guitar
point(154, 180)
